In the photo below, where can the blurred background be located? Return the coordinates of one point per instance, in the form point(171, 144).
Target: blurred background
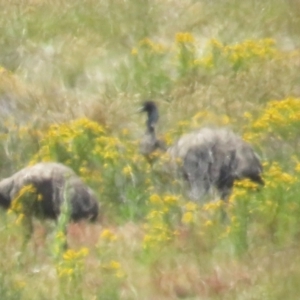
point(73, 74)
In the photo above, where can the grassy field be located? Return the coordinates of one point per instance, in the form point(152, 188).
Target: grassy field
point(72, 76)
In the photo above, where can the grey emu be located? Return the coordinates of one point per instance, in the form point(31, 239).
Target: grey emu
point(210, 157)
point(54, 183)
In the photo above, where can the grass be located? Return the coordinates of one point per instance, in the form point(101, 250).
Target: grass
point(72, 75)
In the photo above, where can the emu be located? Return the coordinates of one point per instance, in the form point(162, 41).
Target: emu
point(54, 184)
point(210, 157)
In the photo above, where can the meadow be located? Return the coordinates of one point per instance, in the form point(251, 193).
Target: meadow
point(72, 76)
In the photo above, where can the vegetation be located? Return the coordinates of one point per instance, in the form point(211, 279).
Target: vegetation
point(72, 75)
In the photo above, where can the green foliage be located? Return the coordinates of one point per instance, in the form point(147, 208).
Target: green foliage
point(72, 74)
point(114, 167)
point(9, 289)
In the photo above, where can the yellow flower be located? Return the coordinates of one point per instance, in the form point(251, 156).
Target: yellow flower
point(70, 254)
point(120, 274)
point(215, 43)
point(208, 223)
point(125, 131)
point(20, 284)
point(20, 219)
point(187, 218)
point(247, 115)
point(65, 272)
point(134, 51)
point(60, 236)
point(247, 184)
point(212, 205)
point(250, 136)
point(83, 252)
point(170, 199)
point(287, 178)
point(108, 235)
point(297, 168)
point(225, 120)
point(191, 206)
point(155, 214)
point(236, 194)
point(114, 265)
point(155, 199)
point(184, 37)
point(127, 170)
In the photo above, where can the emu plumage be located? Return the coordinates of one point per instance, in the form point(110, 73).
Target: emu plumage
point(55, 182)
point(210, 157)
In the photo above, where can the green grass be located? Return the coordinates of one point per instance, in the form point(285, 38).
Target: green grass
point(72, 76)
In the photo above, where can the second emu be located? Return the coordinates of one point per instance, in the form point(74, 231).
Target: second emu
point(210, 157)
point(54, 183)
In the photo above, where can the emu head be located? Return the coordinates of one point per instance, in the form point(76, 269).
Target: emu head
point(248, 164)
point(150, 143)
point(152, 114)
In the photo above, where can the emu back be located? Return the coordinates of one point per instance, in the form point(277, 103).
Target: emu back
point(215, 157)
point(55, 183)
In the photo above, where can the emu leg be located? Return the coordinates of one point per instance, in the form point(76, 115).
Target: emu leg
point(27, 228)
point(225, 190)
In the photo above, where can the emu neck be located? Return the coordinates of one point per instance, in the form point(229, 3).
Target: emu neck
point(152, 119)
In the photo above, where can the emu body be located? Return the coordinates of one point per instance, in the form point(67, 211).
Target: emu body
point(216, 158)
point(54, 183)
point(210, 157)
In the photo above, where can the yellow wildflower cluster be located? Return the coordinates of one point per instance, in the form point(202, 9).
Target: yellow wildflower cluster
point(158, 228)
point(158, 234)
point(213, 205)
point(127, 170)
point(238, 54)
point(148, 44)
point(184, 37)
point(275, 176)
point(76, 144)
point(60, 241)
point(281, 117)
point(163, 202)
point(69, 142)
point(248, 49)
point(155, 199)
point(188, 216)
point(244, 202)
point(19, 284)
point(24, 200)
point(71, 255)
point(72, 262)
point(242, 188)
point(114, 267)
point(108, 236)
point(90, 174)
point(250, 136)
point(186, 53)
point(98, 157)
point(297, 167)
point(246, 184)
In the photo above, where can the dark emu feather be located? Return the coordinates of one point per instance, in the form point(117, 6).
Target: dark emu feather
point(210, 157)
point(55, 183)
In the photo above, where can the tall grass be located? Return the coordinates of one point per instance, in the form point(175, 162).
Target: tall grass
point(72, 75)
